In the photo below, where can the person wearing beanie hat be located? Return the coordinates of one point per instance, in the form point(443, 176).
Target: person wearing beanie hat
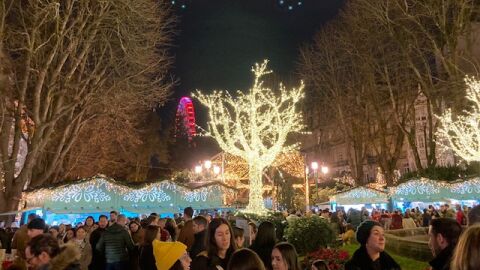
point(36, 227)
point(371, 254)
point(171, 255)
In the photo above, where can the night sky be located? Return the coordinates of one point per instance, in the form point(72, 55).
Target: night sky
point(219, 40)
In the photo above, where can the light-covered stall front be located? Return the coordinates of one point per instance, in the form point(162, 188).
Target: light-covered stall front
point(466, 192)
point(100, 195)
point(360, 197)
point(420, 193)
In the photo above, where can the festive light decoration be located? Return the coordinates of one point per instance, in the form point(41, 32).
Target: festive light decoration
point(254, 126)
point(99, 189)
point(471, 186)
point(420, 187)
point(152, 193)
point(291, 163)
point(196, 195)
point(461, 134)
point(360, 195)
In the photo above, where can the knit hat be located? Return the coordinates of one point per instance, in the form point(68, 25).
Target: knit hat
point(364, 229)
point(36, 223)
point(167, 253)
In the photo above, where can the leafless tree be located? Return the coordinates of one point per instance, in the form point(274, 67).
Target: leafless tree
point(74, 65)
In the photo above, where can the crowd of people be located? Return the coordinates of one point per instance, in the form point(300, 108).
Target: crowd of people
point(211, 242)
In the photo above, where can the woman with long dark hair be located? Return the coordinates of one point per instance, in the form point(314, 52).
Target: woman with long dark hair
point(220, 245)
point(147, 259)
point(264, 242)
point(285, 257)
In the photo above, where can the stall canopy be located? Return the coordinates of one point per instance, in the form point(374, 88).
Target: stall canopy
point(360, 195)
point(102, 194)
point(421, 190)
point(466, 189)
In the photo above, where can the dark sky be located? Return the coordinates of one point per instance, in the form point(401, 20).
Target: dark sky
point(219, 40)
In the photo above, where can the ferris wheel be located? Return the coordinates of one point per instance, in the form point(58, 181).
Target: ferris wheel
point(185, 119)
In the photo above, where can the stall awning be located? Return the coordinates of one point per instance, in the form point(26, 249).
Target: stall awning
point(421, 190)
point(466, 189)
point(360, 195)
point(101, 194)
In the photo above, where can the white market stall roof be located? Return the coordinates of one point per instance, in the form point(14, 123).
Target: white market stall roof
point(466, 189)
point(421, 190)
point(102, 194)
point(359, 195)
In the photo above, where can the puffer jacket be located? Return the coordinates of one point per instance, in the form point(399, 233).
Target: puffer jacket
point(115, 243)
point(67, 259)
point(362, 261)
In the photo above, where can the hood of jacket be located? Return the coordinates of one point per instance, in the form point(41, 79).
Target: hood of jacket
point(68, 258)
point(361, 260)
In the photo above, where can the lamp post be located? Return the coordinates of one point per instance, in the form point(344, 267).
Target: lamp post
point(314, 166)
point(307, 191)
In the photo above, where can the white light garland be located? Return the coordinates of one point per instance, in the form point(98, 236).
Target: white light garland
point(467, 187)
point(254, 126)
point(462, 134)
point(98, 190)
point(151, 193)
point(419, 187)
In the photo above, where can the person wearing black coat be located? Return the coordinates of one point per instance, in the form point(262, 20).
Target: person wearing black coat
point(98, 257)
point(147, 258)
point(200, 224)
point(264, 242)
point(371, 254)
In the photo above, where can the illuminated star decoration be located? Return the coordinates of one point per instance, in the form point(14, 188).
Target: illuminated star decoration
point(462, 134)
point(254, 126)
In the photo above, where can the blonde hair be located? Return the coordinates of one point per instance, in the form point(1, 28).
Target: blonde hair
point(467, 252)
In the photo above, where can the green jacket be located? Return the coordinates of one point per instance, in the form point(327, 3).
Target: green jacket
point(115, 243)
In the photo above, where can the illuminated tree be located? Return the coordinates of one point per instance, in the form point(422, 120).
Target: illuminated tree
point(254, 126)
point(462, 133)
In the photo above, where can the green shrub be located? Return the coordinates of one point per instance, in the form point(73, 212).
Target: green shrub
point(308, 234)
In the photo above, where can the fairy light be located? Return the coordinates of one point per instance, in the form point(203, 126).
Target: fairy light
point(254, 126)
point(97, 190)
point(468, 187)
point(421, 186)
point(461, 134)
point(360, 195)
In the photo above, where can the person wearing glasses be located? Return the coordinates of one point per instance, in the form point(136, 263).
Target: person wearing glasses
point(44, 252)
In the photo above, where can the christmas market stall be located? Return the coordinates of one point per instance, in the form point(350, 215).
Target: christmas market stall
point(100, 195)
point(359, 197)
point(465, 192)
point(420, 193)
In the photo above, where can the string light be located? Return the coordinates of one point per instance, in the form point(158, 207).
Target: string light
point(151, 193)
point(421, 186)
point(461, 134)
point(98, 189)
point(254, 126)
point(360, 195)
point(469, 187)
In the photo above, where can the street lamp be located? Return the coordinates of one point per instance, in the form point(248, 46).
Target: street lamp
point(208, 164)
point(324, 170)
point(207, 172)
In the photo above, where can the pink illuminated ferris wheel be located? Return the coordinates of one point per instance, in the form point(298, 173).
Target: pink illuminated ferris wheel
point(185, 119)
